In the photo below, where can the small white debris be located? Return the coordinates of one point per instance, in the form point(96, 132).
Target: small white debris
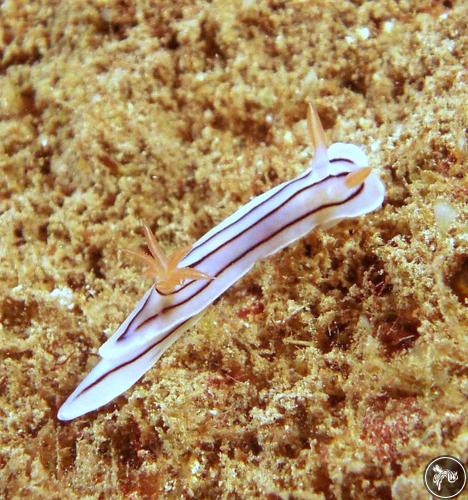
point(269, 119)
point(8, 5)
point(115, 77)
point(106, 15)
point(188, 30)
point(288, 137)
point(450, 44)
point(388, 26)
point(196, 467)
point(310, 78)
point(43, 140)
point(443, 16)
point(305, 153)
point(398, 131)
point(213, 412)
point(349, 39)
point(445, 214)
point(247, 4)
point(375, 146)
point(363, 33)
point(64, 296)
point(169, 486)
point(280, 42)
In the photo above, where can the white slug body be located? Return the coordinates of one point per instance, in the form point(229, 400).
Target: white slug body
point(319, 197)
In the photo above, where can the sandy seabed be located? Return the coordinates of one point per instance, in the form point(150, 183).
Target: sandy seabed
point(334, 369)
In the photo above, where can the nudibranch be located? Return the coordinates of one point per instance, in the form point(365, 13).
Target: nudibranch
point(338, 184)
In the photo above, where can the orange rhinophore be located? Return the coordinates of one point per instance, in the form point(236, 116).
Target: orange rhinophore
point(164, 271)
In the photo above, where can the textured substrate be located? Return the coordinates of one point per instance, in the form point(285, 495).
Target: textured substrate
point(336, 368)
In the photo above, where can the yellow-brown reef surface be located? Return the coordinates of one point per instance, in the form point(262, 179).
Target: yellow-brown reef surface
point(334, 369)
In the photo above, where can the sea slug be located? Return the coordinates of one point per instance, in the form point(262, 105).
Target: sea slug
point(337, 185)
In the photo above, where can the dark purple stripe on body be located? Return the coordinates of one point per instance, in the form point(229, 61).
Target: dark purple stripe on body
point(334, 160)
point(134, 317)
